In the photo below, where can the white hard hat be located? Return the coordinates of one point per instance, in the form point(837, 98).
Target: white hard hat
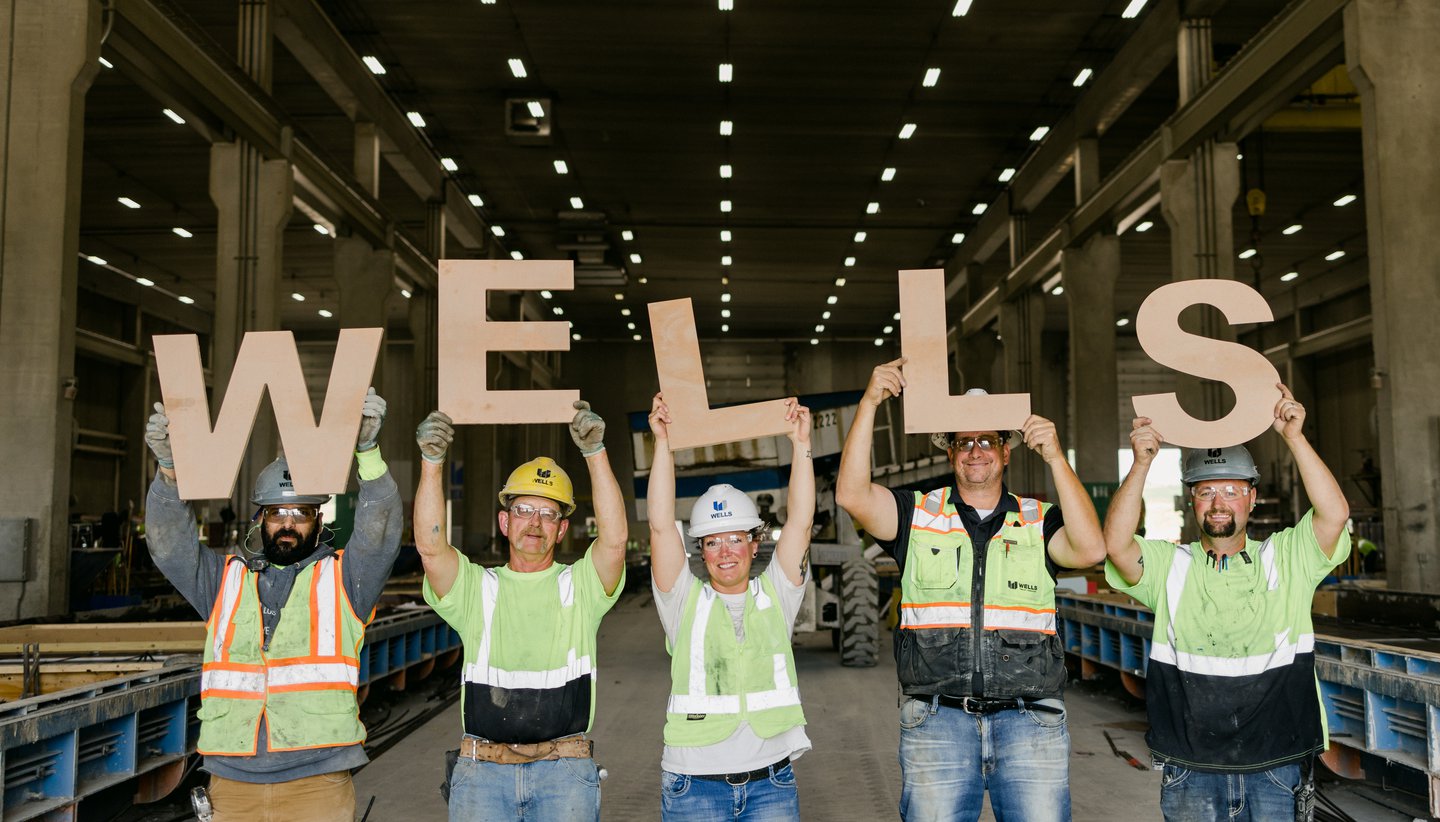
point(941, 439)
point(723, 508)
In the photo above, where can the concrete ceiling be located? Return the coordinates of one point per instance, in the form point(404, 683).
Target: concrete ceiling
point(819, 97)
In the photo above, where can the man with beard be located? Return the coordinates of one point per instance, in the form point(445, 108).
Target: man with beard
point(1234, 707)
point(981, 666)
point(527, 696)
point(279, 725)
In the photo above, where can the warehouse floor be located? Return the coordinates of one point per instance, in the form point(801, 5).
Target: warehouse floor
point(851, 774)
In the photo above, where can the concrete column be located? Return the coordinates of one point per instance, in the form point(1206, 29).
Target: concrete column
point(366, 277)
point(1087, 167)
point(423, 322)
point(1022, 322)
point(48, 62)
point(367, 157)
point(1390, 51)
point(435, 228)
point(1019, 239)
point(1089, 274)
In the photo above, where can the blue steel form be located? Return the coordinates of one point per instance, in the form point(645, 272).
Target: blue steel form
point(1380, 699)
point(59, 748)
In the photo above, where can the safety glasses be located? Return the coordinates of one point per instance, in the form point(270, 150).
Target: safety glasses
point(297, 513)
point(522, 511)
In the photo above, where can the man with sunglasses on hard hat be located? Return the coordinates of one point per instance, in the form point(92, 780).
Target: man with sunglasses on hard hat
point(733, 722)
point(981, 666)
point(528, 684)
point(279, 725)
point(1234, 706)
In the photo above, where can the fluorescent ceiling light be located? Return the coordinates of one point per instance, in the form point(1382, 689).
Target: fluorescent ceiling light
point(497, 231)
point(832, 299)
point(1057, 290)
point(627, 235)
point(624, 312)
point(106, 63)
point(887, 175)
point(127, 202)
point(320, 229)
point(1039, 134)
point(1122, 322)
point(297, 296)
point(449, 164)
point(630, 326)
point(476, 201)
point(727, 128)
point(879, 341)
point(325, 313)
point(962, 7)
point(727, 72)
point(186, 300)
point(727, 5)
point(546, 294)
point(561, 167)
point(97, 260)
point(1288, 276)
point(824, 315)
point(536, 108)
point(726, 171)
point(897, 316)
point(1081, 78)
point(373, 63)
point(572, 336)
point(405, 292)
point(1144, 227)
point(635, 337)
point(860, 236)
point(178, 120)
point(819, 329)
point(1335, 255)
point(1133, 10)
point(559, 312)
point(145, 281)
point(517, 255)
point(725, 235)
point(725, 312)
point(887, 329)
point(839, 282)
point(932, 76)
point(726, 259)
point(1292, 229)
point(1247, 254)
point(619, 295)
point(849, 262)
point(1006, 175)
point(814, 341)
point(907, 131)
point(576, 202)
point(978, 209)
point(958, 237)
point(181, 232)
point(415, 119)
point(872, 208)
point(725, 205)
point(725, 297)
point(635, 258)
point(1345, 200)
point(517, 67)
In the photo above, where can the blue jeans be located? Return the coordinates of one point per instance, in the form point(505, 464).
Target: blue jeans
point(1197, 796)
point(684, 798)
point(949, 758)
point(567, 789)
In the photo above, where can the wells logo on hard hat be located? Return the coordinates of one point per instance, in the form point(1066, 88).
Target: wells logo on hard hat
point(719, 505)
point(723, 508)
point(540, 477)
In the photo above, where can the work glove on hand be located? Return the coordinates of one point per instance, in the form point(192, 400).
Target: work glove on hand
point(372, 416)
point(587, 429)
point(434, 436)
point(157, 436)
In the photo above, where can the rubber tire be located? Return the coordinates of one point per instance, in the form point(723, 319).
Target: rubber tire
point(859, 614)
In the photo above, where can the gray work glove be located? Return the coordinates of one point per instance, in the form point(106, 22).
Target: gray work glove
point(157, 436)
point(372, 416)
point(587, 429)
point(434, 436)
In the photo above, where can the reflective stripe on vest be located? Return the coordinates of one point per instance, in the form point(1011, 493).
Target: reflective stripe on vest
point(785, 694)
point(935, 615)
point(481, 672)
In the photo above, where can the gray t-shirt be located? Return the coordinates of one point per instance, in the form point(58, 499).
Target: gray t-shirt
point(196, 572)
point(743, 750)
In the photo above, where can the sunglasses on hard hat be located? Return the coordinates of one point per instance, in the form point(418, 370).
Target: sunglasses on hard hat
point(298, 513)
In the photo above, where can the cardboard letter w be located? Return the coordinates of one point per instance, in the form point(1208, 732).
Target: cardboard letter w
point(207, 460)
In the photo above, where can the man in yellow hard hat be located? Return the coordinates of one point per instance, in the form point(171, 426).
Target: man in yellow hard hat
point(528, 684)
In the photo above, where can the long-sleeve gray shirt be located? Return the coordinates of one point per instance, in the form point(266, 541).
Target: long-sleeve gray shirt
point(196, 572)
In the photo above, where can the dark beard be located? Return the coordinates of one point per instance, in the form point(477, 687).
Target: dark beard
point(278, 554)
point(1227, 531)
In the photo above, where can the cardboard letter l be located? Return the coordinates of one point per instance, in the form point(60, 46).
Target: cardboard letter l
point(682, 380)
point(1245, 370)
point(207, 461)
point(466, 337)
point(929, 405)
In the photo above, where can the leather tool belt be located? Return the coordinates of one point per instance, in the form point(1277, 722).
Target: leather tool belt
point(506, 753)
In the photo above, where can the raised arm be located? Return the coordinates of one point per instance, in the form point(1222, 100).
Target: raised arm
point(436, 555)
point(1331, 507)
point(1079, 542)
point(379, 517)
point(667, 550)
point(587, 429)
point(871, 505)
point(793, 549)
point(170, 532)
point(1123, 517)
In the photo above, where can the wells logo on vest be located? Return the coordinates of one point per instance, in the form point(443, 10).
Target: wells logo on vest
point(1024, 586)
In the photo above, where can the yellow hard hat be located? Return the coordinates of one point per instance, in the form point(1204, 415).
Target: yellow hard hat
point(540, 477)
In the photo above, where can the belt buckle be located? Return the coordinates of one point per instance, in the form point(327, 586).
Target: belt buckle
point(973, 705)
point(730, 778)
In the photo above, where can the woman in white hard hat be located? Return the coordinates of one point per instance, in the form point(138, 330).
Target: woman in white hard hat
point(733, 723)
